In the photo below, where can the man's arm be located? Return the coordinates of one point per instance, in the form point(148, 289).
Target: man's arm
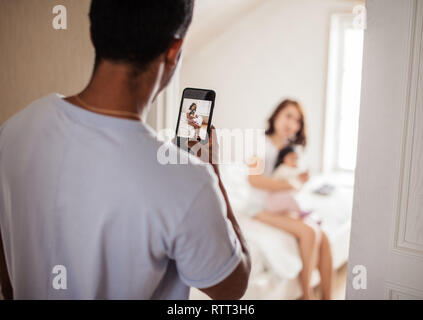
point(235, 285)
point(6, 286)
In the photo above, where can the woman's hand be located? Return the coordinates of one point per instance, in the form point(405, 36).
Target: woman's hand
point(304, 177)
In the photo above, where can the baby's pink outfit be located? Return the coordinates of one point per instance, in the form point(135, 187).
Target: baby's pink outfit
point(281, 202)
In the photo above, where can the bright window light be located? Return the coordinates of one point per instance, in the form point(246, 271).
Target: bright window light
point(349, 99)
point(343, 94)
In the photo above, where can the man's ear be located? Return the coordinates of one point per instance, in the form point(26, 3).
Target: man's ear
point(174, 52)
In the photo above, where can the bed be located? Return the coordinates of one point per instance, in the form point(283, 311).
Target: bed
point(276, 261)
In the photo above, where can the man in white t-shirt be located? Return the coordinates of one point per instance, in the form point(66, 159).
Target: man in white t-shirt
point(86, 209)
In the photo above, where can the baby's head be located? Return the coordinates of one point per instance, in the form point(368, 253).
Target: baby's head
point(288, 156)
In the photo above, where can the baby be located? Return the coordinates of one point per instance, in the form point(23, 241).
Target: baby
point(286, 168)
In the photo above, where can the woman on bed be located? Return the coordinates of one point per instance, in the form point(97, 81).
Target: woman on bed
point(287, 126)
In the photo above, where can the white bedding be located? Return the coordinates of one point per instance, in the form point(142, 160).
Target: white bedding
point(275, 254)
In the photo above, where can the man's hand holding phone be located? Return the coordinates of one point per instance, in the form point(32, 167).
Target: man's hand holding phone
point(207, 150)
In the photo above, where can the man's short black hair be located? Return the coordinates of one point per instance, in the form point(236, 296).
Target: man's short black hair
point(137, 31)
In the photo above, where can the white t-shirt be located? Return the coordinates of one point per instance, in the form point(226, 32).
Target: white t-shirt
point(85, 191)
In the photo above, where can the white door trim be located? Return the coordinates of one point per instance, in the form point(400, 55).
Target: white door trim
point(414, 90)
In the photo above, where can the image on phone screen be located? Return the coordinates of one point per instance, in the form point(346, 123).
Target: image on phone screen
point(194, 119)
point(195, 116)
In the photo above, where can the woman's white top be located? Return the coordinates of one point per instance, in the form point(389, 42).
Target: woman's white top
point(258, 196)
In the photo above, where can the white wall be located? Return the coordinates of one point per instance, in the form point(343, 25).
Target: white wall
point(36, 59)
point(259, 52)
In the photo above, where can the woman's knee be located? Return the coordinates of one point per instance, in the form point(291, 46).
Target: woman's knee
point(325, 240)
point(309, 234)
point(324, 237)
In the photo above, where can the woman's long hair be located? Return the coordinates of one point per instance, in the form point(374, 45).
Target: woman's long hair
point(192, 109)
point(300, 137)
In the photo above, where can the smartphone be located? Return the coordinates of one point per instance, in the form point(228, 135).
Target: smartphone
point(195, 116)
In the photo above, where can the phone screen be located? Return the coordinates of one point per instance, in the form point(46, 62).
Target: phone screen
point(195, 114)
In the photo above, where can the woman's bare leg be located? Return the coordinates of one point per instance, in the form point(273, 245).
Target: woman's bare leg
point(325, 267)
point(307, 237)
point(308, 243)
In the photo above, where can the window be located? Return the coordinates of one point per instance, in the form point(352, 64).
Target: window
point(343, 94)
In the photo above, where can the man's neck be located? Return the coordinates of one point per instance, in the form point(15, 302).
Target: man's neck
point(112, 87)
